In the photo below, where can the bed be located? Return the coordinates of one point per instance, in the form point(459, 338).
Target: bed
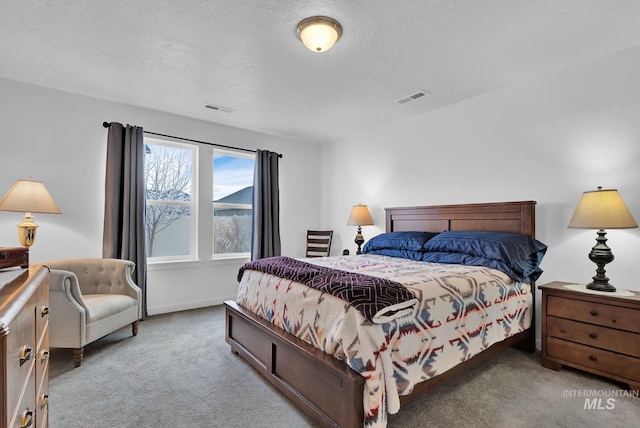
point(326, 388)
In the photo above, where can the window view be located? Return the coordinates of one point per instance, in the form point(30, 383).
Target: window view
point(170, 205)
point(232, 202)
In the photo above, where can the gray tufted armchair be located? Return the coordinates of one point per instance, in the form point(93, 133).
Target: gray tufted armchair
point(90, 298)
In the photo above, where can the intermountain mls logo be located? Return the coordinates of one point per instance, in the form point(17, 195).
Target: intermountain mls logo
point(600, 399)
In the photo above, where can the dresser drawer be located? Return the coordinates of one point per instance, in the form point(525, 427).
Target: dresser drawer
point(21, 352)
point(593, 335)
point(42, 379)
point(594, 313)
point(41, 298)
point(42, 395)
point(43, 419)
point(25, 410)
point(593, 358)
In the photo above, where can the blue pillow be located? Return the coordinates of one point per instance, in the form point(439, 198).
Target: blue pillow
point(392, 252)
point(518, 256)
point(469, 260)
point(413, 241)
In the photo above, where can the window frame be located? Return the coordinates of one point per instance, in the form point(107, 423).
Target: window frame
point(192, 205)
point(214, 205)
point(201, 227)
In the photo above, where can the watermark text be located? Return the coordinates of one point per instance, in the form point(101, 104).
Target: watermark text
point(600, 399)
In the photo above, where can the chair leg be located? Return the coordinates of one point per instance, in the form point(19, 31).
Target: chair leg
point(78, 353)
point(134, 327)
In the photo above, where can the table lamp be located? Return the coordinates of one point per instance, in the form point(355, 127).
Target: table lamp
point(360, 216)
point(602, 209)
point(28, 196)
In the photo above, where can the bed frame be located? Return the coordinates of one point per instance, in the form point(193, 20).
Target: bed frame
point(327, 389)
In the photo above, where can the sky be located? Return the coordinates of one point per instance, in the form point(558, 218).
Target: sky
point(230, 174)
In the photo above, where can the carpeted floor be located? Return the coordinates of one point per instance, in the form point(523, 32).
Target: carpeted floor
point(179, 372)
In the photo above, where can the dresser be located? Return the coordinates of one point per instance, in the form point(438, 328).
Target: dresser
point(594, 332)
point(24, 349)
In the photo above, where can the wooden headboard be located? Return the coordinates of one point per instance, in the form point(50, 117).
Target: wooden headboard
point(514, 217)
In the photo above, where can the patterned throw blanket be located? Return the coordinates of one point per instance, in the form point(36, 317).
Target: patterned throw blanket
point(379, 300)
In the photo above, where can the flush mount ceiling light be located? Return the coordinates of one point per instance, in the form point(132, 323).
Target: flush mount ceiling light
point(319, 33)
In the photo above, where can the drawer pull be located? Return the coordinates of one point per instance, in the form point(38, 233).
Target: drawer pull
point(594, 312)
point(44, 401)
point(593, 357)
point(44, 356)
point(26, 353)
point(593, 335)
point(44, 311)
point(26, 419)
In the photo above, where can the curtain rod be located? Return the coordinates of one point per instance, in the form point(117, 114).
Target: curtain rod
point(107, 124)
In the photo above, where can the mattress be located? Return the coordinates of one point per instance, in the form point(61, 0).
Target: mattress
point(462, 311)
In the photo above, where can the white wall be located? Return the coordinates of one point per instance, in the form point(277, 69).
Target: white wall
point(547, 140)
point(58, 138)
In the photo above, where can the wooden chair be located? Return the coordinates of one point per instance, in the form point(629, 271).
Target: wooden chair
point(319, 243)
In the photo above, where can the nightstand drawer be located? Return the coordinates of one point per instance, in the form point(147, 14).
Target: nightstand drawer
point(598, 359)
point(594, 313)
point(593, 335)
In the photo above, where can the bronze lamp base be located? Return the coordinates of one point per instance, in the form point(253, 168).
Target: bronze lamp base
point(601, 255)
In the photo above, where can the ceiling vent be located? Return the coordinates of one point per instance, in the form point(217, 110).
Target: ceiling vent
point(219, 108)
point(413, 97)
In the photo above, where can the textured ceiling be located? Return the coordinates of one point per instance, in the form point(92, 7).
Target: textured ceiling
point(177, 56)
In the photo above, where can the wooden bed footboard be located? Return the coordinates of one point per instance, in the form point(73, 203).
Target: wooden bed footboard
point(328, 390)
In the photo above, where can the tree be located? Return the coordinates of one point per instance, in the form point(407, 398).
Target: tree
point(168, 185)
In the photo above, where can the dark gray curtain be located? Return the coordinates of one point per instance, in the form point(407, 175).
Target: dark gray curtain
point(124, 209)
point(265, 237)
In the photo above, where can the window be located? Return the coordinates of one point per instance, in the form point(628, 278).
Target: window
point(170, 185)
point(232, 202)
point(199, 201)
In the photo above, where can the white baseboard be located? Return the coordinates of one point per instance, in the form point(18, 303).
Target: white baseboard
point(185, 306)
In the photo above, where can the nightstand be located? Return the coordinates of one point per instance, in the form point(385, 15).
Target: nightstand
point(592, 331)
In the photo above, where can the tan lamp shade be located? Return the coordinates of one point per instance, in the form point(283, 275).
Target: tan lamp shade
point(602, 209)
point(28, 196)
point(360, 216)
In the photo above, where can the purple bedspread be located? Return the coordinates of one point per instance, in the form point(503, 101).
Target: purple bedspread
point(377, 299)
